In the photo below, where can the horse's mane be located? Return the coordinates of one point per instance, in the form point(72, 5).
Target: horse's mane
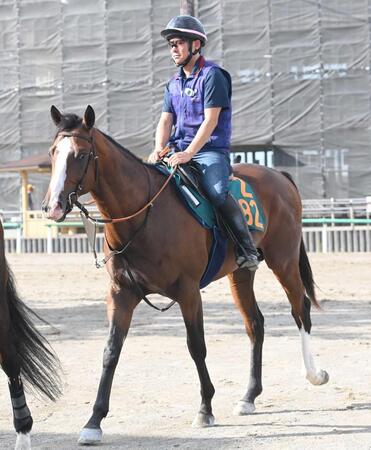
point(69, 122)
point(127, 152)
point(121, 147)
point(72, 121)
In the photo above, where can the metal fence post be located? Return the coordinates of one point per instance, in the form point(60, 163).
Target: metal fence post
point(324, 238)
point(18, 241)
point(49, 241)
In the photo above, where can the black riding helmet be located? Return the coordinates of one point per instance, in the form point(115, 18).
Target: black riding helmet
point(188, 28)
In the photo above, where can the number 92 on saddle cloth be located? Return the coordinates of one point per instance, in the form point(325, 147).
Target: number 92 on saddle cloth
point(186, 181)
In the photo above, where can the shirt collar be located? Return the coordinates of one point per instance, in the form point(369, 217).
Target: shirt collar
point(197, 67)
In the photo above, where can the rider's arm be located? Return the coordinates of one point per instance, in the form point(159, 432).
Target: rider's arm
point(163, 130)
point(204, 132)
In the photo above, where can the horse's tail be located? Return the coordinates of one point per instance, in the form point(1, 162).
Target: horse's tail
point(305, 269)
point(289, 177)
point(306, 275)
point(39, 365)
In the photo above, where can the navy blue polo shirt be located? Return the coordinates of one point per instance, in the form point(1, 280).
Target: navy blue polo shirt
point(216, 90)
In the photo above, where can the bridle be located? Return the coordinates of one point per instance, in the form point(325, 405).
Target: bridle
point(72, 197)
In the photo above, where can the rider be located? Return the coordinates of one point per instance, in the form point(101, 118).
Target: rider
point(197, 103)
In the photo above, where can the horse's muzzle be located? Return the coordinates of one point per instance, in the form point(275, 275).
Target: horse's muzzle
point(55, 212)
point(59, 210)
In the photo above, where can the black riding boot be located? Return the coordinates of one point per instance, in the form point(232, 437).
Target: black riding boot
point(235, 220)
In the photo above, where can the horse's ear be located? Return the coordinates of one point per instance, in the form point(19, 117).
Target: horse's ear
point(89, 117)
point(56, 115)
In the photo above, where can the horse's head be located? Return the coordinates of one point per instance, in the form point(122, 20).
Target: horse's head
point(72, 156)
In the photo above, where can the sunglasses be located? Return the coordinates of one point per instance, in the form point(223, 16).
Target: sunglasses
point(176, 43)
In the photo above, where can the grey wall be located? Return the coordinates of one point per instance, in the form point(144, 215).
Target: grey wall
point(300, 72)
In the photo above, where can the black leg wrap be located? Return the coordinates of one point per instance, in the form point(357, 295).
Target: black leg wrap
point(21, 414)
point(23, 425)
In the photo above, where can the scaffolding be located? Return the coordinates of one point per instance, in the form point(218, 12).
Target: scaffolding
point(300, 71)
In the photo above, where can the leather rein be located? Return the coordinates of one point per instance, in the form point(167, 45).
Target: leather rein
point(73, 200)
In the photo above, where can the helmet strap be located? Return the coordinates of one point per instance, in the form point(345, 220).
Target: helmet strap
point(190, 54)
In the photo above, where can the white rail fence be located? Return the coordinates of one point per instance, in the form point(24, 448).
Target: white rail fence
point(323, 239)
point(329, 225)
point(77, 243)
point(327, 239)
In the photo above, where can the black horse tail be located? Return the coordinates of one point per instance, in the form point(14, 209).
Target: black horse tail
point(289, 177)
point(305, 269)
point(40, 367)
point(306, 275)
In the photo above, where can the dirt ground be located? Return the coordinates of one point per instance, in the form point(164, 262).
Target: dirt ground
point(156, 394)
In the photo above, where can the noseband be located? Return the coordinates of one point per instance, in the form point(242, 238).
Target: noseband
point(72, 198)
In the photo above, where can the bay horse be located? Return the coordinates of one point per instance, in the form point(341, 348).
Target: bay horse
point(24, 353)
point(159, 258)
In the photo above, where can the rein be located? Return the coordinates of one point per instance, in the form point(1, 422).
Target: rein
point(124, 219)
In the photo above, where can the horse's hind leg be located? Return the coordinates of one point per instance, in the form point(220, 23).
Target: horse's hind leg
point(21, 414)
point(191, 307)
point(290, 279)
point(241, 283)
point(120, 307)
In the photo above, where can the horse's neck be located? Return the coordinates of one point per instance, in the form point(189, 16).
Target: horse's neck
point(122, 185)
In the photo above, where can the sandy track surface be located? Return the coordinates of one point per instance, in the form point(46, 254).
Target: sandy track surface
point(156, 394)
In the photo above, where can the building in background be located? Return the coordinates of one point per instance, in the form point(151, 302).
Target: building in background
point(300, 70)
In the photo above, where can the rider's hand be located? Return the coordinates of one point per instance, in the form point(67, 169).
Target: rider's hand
point(179, 158)
point(154, 156)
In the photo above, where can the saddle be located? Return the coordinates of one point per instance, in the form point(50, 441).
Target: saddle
point(189, 174)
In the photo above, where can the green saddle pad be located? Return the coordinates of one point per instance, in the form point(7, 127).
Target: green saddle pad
point(241, 191)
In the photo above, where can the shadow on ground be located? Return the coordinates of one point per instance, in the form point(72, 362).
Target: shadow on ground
point(251, 440)
point(338, 320)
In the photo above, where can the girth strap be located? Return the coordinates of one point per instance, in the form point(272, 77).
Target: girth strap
point(143, 296)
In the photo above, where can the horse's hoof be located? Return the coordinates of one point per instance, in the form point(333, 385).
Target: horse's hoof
point(321, 377)
point(23, 441)
point(90, 436)
point(203, 420)
point(243, 408)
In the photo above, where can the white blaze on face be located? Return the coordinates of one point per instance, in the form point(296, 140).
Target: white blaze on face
point(60, 171)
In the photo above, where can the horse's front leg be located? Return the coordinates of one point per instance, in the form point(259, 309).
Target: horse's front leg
point(120, 306)
point(191, 308)
point(21, 414)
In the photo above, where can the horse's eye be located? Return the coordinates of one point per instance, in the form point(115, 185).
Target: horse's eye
point(82, 156)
